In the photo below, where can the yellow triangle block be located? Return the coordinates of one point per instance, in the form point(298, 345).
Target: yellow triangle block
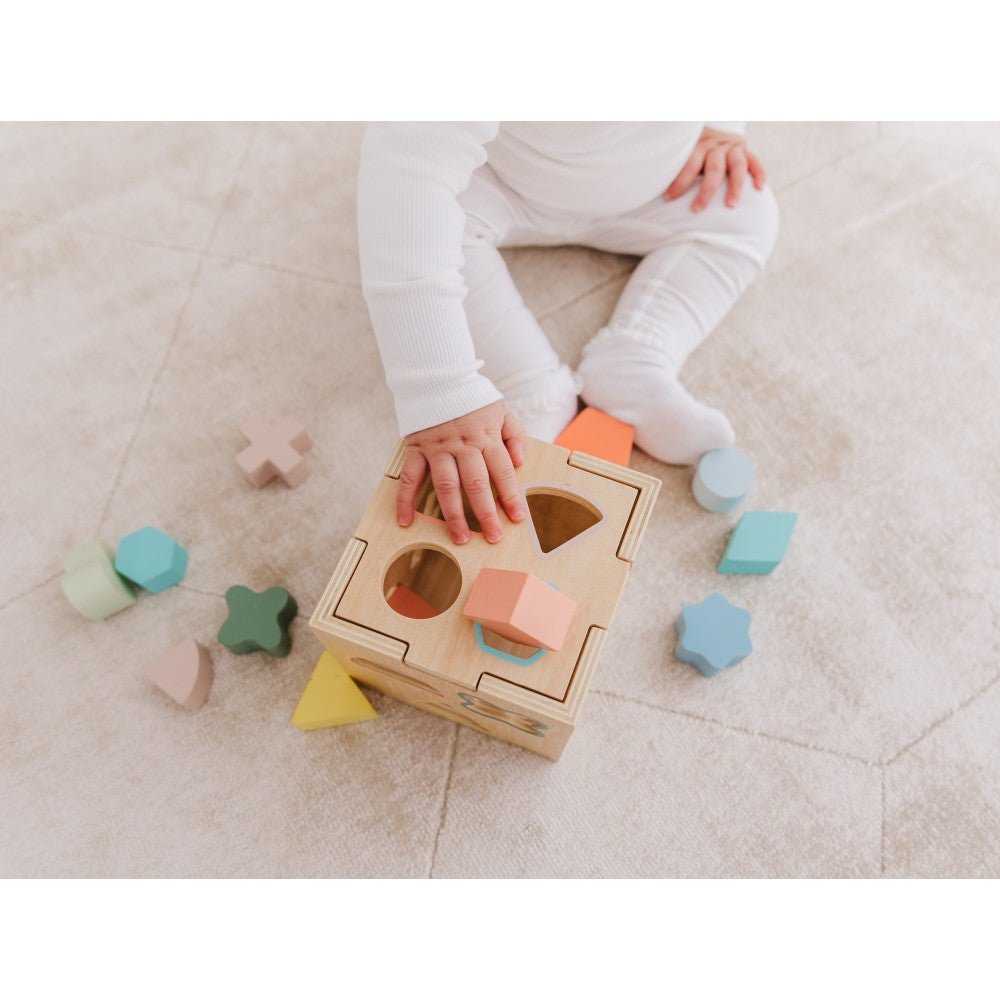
point(331, 698)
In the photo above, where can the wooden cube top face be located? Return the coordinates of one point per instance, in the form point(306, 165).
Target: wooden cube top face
point(597, 512)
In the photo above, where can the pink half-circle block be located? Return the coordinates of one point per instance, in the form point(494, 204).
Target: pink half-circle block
point(184, 672)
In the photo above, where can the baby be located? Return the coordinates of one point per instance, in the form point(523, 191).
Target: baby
point(470, 369)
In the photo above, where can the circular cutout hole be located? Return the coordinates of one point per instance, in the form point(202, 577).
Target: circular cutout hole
point(422, 582)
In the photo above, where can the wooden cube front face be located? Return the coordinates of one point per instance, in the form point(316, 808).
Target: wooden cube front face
point(587, 519)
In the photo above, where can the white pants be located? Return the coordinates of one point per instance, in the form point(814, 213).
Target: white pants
point(694, 267)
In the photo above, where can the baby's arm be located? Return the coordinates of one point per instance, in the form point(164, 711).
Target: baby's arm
point(410, 228)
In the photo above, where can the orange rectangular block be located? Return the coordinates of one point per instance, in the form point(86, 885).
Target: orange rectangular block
point(520, 607)
point(597, 434)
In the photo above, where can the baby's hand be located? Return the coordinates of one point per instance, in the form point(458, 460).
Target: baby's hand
point(466, 454)
point(717, 155)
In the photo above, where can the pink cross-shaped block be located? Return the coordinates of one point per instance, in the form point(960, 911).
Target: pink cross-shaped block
point(274, 451)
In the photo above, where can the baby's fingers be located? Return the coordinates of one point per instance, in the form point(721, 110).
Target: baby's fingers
point(713, 175)
point(476, 483)
point(512, 434)
point(737, 163)
point(411, 478)
point(757, 172)
point(688, 175)
point(448, 487)
point(505, 479)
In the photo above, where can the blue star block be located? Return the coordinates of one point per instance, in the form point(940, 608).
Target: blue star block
point(151, 559)
point(758, 542)
point(713, 635)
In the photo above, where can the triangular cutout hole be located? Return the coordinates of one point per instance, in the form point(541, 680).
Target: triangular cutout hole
point(560, 516)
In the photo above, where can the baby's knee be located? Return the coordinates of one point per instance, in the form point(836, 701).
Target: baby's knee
point(753, 222)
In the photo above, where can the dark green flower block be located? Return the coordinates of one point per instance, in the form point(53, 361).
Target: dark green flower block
point(258, 621)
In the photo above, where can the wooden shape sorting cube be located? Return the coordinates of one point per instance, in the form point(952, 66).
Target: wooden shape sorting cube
point(713, 635)
point(331, 698)
point(723, 479)
point(151, 559)
point(274, 451)
point(436, 663)
point(91, 584)
point(758, 542)
point(184, 672)
point(520, 607)
point(595, 433)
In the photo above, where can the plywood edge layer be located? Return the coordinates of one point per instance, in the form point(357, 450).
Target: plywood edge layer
point(559, 711)
point(647, 487)
point(335, 589)
point(395, 464)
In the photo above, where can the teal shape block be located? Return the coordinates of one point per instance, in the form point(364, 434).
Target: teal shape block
point(758, 542)
point(151, 559)
point(509, 657)
point(713, 635)
point(258, 621)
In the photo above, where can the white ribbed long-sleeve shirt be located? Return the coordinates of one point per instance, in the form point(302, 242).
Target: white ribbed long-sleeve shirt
point(410, 227)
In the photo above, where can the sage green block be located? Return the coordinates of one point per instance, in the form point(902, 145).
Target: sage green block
point(758, 542)
point(258, 621)
point(91, 584)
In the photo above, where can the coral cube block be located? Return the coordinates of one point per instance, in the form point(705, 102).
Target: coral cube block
point(151, 559)
point(91, 584)
point(405, 602)
point(520, 607)
point(758, 542)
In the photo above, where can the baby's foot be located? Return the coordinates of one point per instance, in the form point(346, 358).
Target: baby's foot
point(546, 407)
point(670, 424)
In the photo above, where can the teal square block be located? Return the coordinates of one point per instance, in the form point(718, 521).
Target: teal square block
point(758, 542)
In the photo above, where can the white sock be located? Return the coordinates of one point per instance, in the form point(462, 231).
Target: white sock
point(637, 383)
point(545, 405)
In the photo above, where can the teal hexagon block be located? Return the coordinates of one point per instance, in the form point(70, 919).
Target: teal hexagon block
point(152, 559)
point(713, 635)
point(758, 542)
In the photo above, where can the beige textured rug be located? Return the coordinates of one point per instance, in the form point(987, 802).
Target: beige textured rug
point(160, 282)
